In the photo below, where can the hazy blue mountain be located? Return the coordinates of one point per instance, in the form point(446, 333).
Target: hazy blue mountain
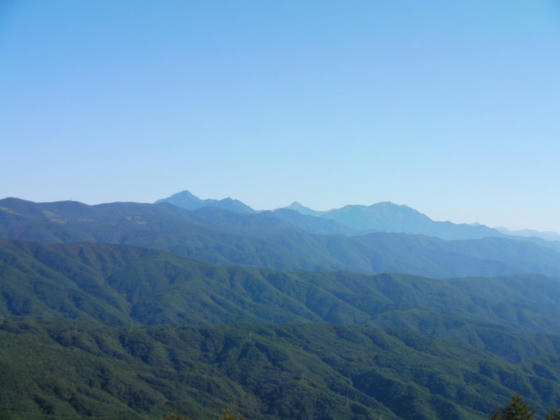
point(295, 206)
point(263, 239)
point(189, 201)
point(500, 256)
point(390, 217)
point(361, 219)
point(529, 233)
point(312, 224)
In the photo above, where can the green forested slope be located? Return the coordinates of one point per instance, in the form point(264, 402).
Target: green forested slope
point(269, 371)
point(106, 331)
point(119, 284)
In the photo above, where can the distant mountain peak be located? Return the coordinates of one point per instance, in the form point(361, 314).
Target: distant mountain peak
point(183, 196)
point(185, 193)
point(189, 201)
point(391, 205)
point(300, 208)
point(386, 203)
point(297, 205)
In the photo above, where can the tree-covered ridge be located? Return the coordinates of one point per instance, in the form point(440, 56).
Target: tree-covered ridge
point(119, 284)
point(269, 371)
point(102, 330)
point(268, 240)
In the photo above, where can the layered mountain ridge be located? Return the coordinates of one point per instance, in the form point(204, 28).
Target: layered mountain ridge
point(136, 310)
point(123, 332)
point(362, 219)
point(278, 240)
point(189, 201)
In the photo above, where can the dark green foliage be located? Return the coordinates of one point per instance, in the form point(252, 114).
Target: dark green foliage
point(517, 409)
point(270, 372)
point(93, 330)
point(231, 415)
point(553, 415)
point(118, 284)
point(174, 416)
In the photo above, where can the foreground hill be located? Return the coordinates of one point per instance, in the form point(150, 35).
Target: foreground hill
point(266, 240)
point(78, 370)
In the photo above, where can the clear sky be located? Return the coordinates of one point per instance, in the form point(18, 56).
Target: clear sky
point(451, 107)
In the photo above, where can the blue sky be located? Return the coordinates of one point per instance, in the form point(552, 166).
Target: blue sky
point(450, 107)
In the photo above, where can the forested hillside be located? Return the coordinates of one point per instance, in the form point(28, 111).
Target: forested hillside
point(106, 330)
point(120, 284)
point(294, 371)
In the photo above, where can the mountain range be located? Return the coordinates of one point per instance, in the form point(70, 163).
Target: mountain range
point(278, 240)
point(189, 306)
point(189, 201)
point(363, 219)
point(120, 284)
point(124, 332)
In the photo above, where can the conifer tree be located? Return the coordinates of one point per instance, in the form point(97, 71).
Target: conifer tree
point(553, 415)
point(175, 416)
point(517, 409)
point(228, 415)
